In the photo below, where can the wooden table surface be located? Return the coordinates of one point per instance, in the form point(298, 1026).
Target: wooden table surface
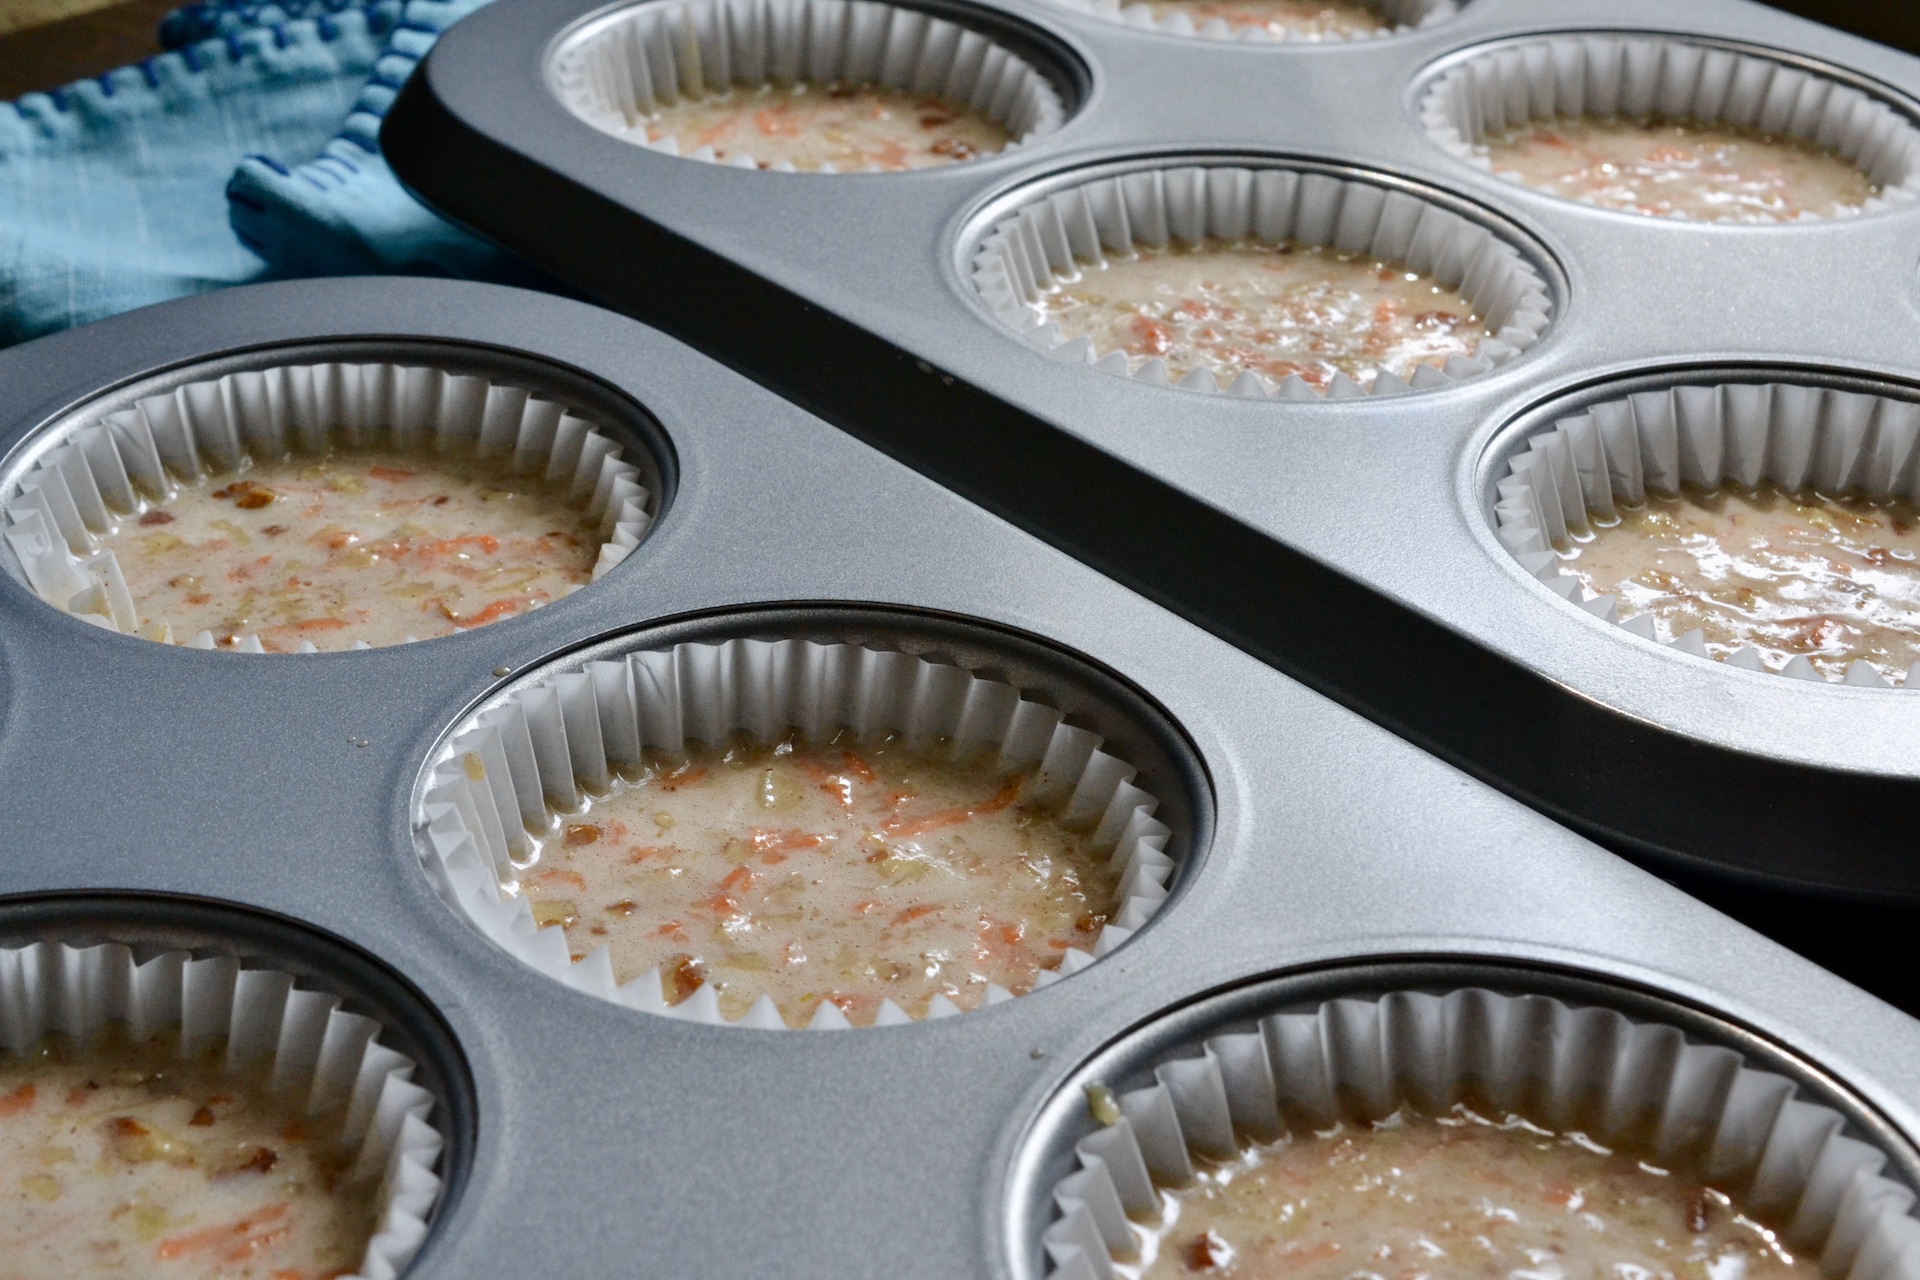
point(58, 53)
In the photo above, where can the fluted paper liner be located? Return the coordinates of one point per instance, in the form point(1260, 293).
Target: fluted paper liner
point(102, 470)
point(1402, 15)
point(1667, 77)
point(316, 1049)
point(576, 730)
point(1639, 1085)
point(1028, 249)
point(1616, 452)
point(653, 55)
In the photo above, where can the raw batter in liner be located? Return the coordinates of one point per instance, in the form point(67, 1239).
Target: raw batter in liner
point(373, 546)
point(1680, 169)
point(1276, 309)
point(120, 1159)
point(1285, 19)
point(1835, 580)
point(853, 872)
point(1415, 1197)
point(853, 128)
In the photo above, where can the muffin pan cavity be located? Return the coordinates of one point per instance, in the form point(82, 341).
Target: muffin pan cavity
point(1634, 77)
point(1291, 22)
point(617, 70)
point(1053, 237)
point(1625, 1071)
point(322, 1033)
point(118, 463)
point(1609, 451)
point(1076, 744)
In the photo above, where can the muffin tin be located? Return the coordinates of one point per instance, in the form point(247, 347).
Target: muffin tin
point(266, 806)
point(1350, 540)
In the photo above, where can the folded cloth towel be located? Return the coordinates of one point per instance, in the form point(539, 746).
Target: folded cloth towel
point(344, 212)
point(211, 19)
point(111, 189)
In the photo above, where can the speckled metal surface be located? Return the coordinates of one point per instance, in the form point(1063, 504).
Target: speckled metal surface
point(1347, 543)
point(606, 1142)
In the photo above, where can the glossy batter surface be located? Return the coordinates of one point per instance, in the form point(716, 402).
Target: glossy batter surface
point(122, 1160)
point(1284, 19)
point(853, 128)
point(1835, 580)
point(353, 546)
point(1677, 169)
point(852, 873)
point(1414, 1198)
point(1274, 309)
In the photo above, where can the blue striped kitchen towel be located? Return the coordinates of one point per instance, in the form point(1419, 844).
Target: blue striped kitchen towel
point(112, 189)
point(343, 211)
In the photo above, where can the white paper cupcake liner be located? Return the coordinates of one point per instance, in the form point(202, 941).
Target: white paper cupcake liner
point(1404, 15)
point(105, 469)
point(1622, 1082)
point(1796, 436)
point(317, 1051)
point(649, 56)
point(577, 730)
point(1647, 76)
point(1024, 252)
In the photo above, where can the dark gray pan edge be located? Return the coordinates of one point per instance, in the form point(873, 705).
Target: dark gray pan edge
point(1341, 542)
point(612, 1143)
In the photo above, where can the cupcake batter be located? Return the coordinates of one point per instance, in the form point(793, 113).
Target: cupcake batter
point(1284, 19)
point(1279, 310)
point(851, 127)
point(1789, 574)
point(853, 872)
point(122, 1160)
point(1461, 1195)
point(370, 546)
point(1680, 169)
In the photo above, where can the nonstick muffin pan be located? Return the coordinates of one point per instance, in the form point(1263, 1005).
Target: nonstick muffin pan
point(1350, 540)
point(266, 806)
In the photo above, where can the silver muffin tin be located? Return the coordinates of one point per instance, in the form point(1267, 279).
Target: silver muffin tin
point(260, 805)
point(1348, 542)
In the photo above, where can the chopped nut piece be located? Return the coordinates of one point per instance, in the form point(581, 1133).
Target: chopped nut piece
point(136, 1143)
point(1102, 1105)
point(1207, 1252)
point(686, 976)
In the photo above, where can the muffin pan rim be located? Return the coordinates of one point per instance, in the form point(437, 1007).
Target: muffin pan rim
point(1506, 438)
point(1055, 59)
point(1424, 81)
point(622, 417)
point(151, 922)
point(1039, 1142)
point(1187, 805)
point(970, 227)
point(1085, 9)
